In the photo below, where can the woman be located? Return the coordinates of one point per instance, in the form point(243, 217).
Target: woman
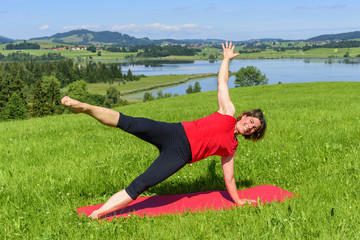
point(182, 143)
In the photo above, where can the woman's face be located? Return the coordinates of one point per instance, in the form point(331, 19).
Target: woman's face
point(247, 125)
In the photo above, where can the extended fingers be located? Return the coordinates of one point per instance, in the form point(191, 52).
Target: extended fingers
point(228, 45)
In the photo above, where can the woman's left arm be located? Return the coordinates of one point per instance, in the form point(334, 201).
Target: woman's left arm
point(228, 170)
point(225, 105)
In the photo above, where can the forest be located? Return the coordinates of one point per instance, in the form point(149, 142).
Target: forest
point(147, 51)
point(33, 89)
point(18, 56)
point(158, 51)
point(23, 45)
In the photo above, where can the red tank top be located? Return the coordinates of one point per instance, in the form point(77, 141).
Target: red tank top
point(211, 135)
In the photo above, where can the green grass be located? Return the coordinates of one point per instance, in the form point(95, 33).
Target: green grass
point(74, 54)
point(110, 57)
point(332, 52)
point(50, 166)
point(145, 83)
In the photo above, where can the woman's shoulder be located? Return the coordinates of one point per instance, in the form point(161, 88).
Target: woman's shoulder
point(230, 110)
point(225, 116)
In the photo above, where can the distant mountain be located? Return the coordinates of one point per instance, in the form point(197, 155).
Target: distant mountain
point(339, 36)
point(265, 40)
point(5, 40)
point(84, 36)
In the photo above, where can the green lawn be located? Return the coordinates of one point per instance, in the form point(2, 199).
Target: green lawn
point(50, 166)
point(145, 83)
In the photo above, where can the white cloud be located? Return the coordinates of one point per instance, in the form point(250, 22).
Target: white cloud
point(160, 27)
point(158, 30)
point(81, 27)
point(44, 27)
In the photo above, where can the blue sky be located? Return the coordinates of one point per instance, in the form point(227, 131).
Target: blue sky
point(196, 19)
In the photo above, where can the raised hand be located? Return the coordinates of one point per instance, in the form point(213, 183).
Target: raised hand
point(228, 50)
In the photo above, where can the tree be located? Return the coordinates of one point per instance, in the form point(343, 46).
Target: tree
point(51, 87)
point(14, 109)
point(148, 97)
point(250, 76)
point(112, 97)
point(92, 49)
point(39, 104)
point(197, 87)
point(189, 89)
point(212, 57)
point(115, 71)
point(129, 75)
point(160, 94)
point(4, 92)
point(78, 90)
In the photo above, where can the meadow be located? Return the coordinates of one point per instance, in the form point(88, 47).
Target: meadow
point(50, 166)
point(144, 83)
point(84, 56)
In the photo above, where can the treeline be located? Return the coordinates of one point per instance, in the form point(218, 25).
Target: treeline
point(32, 89)
point(147, 51)
point(122, 49)
point(250, 51)
point(158, 51)
point(66, 72)
point(22, 57)
point(341, 44)
point(258, 47)
point(148, 96)
point(339, 36)
point(23, 45)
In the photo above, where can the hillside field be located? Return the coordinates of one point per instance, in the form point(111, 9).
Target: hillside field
point(83, 56)
point(50, 166)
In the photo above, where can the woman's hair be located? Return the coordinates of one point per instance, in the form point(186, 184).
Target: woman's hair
point(259, 134)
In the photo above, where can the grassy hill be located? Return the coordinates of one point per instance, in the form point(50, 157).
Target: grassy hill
point(5, 40)
point(84, 36)
point(50, 166)
point(339, 36)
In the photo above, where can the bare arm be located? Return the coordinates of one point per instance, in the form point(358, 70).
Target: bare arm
point(228, 170)
point(117, 201)
point(225, 105)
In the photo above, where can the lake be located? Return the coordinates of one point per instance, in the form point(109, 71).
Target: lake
point(276, 70)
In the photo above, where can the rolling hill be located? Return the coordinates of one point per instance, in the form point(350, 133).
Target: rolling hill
point(5, 40)
point(84, 36)
point(87, 37)
point(340, 36)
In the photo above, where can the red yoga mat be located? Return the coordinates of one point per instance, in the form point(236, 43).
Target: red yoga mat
point(191, 202)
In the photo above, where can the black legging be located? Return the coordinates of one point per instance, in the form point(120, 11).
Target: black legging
point(172, 142)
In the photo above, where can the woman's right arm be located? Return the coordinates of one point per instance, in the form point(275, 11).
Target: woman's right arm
point(228, 170)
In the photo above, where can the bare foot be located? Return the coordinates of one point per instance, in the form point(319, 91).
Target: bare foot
point(94, 215)
point(76, 106)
